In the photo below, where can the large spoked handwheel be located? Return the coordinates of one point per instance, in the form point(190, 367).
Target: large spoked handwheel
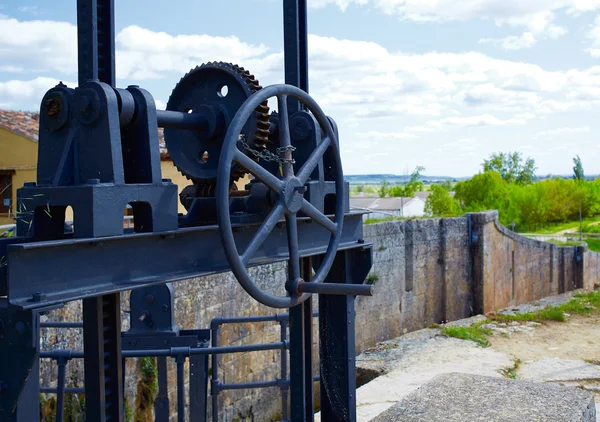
point(290, 190)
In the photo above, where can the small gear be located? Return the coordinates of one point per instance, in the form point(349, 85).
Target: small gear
point(224, 87)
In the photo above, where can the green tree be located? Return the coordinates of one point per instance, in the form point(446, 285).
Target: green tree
point(578, 170)
point(414, 185)
point(448, 185)
point(511, 167)
point(440, 204)
point(485, 191)
point(383, 190)
point(580, 179)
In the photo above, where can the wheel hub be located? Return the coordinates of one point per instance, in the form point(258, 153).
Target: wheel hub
point(293, 193)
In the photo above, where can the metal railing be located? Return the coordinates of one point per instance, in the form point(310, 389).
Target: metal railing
point(180, 355)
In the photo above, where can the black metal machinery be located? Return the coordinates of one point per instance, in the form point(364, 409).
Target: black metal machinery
point(99, 152)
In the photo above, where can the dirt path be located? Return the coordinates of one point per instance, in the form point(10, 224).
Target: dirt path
point(578, 338)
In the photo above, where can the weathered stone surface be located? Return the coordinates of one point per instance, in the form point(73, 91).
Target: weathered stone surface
point(556, 370)
point(459, 397)
point(411, 361)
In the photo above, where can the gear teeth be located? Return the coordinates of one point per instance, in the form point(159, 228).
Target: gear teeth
point(258, 139)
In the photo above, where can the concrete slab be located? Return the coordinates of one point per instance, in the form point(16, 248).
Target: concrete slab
point(457, 397)
point(557, 370)
point(417, 360)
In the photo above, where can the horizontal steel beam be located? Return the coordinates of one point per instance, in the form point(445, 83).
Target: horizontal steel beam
point(38, 274)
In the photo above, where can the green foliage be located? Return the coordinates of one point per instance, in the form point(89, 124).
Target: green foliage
point(447, 185)
point(414, 185)
point(578, 170)
point(440, 204)
point(530, 206)
point(593, 244)
point(485, 191)
point(372, 278)
point(383, 190)
point(511, 167)
point(474, 333)
point(147, 389)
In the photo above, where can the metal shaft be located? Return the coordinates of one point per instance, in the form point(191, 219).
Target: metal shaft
point(336, 289)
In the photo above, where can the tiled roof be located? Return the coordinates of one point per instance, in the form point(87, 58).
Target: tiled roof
point(26, 124)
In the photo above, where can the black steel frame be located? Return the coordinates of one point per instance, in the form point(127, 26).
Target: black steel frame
point(39, 275)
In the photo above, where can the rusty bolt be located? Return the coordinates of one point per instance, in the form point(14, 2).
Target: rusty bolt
point(53, 107)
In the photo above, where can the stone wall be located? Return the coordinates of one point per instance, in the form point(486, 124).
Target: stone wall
point(424, 272)
point(510, 269)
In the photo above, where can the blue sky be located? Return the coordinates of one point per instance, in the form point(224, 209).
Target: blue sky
point(437, 83)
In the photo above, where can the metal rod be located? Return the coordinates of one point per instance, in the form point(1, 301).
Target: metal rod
point(57, 324)
point(214, 379)
point(238, 320)
point(192, 350)
point(68, 390)
point(180, 359)
point(284, 387)
point(180, 120)
point(60, 389)
point(257, 384)
point(337, 289)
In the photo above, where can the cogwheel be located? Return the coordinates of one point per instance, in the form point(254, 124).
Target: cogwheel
point(224, 87)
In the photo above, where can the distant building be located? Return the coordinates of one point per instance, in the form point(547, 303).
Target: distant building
point(18, 161)
point(389, 207)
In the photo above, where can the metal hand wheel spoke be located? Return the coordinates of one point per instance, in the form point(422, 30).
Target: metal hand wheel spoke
point(291, 190)
point(312, 162)
point(258, 171)
point(285, 140)
point(263, 232)
point(292, 232)
point(310, 210)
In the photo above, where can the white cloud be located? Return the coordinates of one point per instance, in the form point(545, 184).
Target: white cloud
point(469, 121)
point(536, 16)
point(511, 12)
point(361, 83)
point(540, 27)
point(144, 54)
point(27, 92)
point(39, 46)
point(29, 9)
point(375, 135)
point(594, 36)
point(562, 131)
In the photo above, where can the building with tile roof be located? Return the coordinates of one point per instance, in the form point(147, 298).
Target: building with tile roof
point(18, 160)
point(389, 207)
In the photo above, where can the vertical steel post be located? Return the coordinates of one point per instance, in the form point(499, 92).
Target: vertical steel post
point(162, 403)
point(337, 347)
point(101, 316)
point(295, 54)
point(60, 388)
point(301, 362)
point(283, 324)
point(31, 393)
point(102, 363)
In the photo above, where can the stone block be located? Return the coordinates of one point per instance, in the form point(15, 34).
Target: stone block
point(456, 397)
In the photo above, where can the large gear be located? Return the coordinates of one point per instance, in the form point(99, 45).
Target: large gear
point(224, 87)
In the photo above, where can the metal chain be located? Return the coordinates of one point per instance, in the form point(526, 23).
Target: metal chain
point(268, 155)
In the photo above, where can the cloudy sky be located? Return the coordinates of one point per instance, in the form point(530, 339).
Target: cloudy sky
point(437, 83)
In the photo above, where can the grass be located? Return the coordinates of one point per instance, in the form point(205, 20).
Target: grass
point(475, 333)
point(593, 244)
point(372, 278)
point(581, 304)
point(383, 220)
point(512, 372)
point(558, 227)
point(563, 242)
